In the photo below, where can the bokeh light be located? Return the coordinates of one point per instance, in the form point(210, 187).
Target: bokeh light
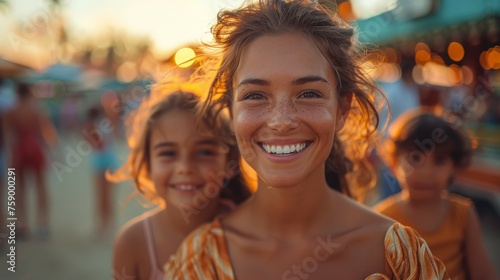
point(456, 51)
point(184, 57)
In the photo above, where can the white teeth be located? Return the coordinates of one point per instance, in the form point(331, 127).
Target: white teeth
point(267, 148)
point(279, 150)
point(286, 149)
point(283, 150)
point(186, 187)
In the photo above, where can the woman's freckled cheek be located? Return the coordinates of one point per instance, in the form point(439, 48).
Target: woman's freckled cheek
point(318, 114)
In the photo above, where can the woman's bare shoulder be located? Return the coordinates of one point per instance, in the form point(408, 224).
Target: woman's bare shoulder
point(365, 216)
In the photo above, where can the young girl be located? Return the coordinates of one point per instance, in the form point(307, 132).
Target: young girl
point(100, 133)
point(181, 165)
point(289, 78)
point(425, 152)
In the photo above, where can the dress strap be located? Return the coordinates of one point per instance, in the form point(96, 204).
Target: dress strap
point(150, 244)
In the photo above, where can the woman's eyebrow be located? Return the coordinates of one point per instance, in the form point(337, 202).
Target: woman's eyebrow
point(309, 79)
point(299, 81)
point(253, 81)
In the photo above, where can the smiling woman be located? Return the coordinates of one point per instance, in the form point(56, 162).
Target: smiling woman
point(289, 77)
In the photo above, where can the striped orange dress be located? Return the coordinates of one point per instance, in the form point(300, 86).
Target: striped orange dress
point(204, 255)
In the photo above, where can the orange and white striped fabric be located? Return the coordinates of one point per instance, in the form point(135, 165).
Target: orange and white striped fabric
point(204, 255)
point(447, 241)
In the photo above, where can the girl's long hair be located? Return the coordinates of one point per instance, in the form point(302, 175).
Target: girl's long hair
point(165, 98)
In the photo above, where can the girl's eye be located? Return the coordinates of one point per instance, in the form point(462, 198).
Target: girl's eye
point(254, 96)
point(169, 154)
point(206, 152)
point(310, 94)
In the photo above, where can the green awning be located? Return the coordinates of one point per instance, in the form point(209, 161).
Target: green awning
point(385, 28)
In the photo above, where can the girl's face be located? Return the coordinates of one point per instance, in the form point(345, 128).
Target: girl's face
point(187, 167)
point(285, 109)
point(424, 176)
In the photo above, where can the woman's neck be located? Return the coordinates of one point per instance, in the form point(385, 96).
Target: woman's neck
point(293, 211)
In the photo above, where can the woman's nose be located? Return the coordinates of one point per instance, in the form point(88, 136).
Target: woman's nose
point(283, 115)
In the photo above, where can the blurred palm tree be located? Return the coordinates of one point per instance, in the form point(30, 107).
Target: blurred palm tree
point(60, 26)
point(4, 6)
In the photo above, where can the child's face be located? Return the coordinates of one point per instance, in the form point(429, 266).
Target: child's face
point(285, 108)
point(424, 176)
point(186, 166)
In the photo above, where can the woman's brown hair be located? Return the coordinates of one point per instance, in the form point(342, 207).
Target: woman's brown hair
point(347, 169)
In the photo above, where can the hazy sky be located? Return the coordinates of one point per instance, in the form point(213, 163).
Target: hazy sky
point(169, 23)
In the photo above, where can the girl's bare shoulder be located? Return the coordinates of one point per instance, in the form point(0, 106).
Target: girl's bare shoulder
point(131, 234)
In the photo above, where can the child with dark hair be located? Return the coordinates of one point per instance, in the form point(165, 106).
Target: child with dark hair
point(425, 152)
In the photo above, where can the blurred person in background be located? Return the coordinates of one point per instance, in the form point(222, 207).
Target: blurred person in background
point(402, 95)
point(425, 153)
point(70, 121)
point(99, 131)
point(175, 161)
point(28, 131)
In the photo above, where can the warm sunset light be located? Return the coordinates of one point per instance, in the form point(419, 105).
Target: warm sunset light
point(184, 57)
point(346, 12)
point(493, 57)
point(422, 57)
point(490, 59)
point(456, 51)
point(467, 75)
point(422, 46)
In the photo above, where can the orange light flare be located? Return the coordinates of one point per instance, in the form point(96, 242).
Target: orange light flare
point(436, 58)
point(493, 57)
point(422, 57)
point(456, 51)
point(184, 57)
point(420, 46)
point(467, 75)
point(392, 56)
point(345, 11)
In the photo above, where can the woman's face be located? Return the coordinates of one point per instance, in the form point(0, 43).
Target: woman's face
point(285, 109)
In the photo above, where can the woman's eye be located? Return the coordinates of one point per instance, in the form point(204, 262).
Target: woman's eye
point(254, 96)
point(310, 94)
